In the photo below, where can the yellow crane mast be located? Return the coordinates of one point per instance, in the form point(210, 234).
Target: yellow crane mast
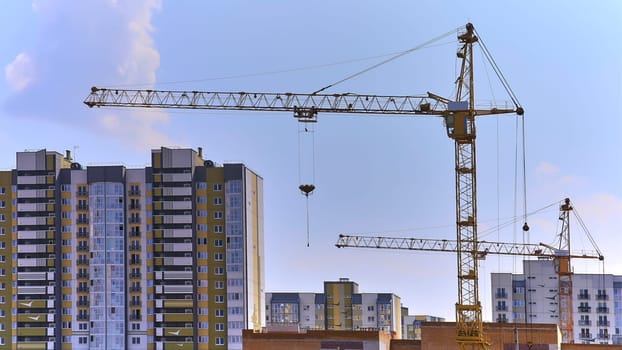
point(459, 117)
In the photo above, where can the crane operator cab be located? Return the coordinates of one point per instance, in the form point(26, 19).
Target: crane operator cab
point(457, 121)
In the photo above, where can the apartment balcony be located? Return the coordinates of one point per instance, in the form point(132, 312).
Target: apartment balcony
point(135, 206)
point(586, 336)
point(602, 310)
point(82, 207)
point(136, 275)
point(82, 193)
point(82, 289)
point(585, 309)
point(583, 296)
point(501, 295)
point(82, 317)
point(135, 220)
point(135, 247)
point(82, 262)
point(135, 233)
point(603, 336)
point(135, 318)
point(502, 308)
point(604, 323)
point(135, 261)
point(82, 235)
point(83, 303)
point(585, 322)
point(136, 289)
point(83, 221)
point(82, 275)
point(135, 192)
point(502, 319)
point(135, 303)
point(82, 248)
point(602, 297)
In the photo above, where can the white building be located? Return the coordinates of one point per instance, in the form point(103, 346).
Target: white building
point(533, 297)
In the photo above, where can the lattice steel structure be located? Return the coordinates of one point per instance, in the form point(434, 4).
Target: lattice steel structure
point(459, 117)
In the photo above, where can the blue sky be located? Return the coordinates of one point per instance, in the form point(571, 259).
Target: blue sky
point(374, 175)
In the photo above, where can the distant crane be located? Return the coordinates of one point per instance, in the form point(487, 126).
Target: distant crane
point(459, 118)
point(561, 256)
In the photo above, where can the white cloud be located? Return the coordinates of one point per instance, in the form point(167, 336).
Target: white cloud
point(138, 130)
point(551, 178)
point(602, 208)
point(545, 168)
point(82, 44)
point(142, 58)
point(19, 73)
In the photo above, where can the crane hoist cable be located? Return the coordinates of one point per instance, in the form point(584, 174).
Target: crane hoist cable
point(306, 132)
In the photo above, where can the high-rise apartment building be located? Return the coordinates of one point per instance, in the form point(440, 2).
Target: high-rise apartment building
point(339, 307)
point(107, 257)
point(533, 297)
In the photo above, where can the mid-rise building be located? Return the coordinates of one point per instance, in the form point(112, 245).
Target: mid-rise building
point(533, 297)
point(411, 324)
point(339, 307)
point(107, 257)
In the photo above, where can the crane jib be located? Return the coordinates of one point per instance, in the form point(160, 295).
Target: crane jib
point(261, 101)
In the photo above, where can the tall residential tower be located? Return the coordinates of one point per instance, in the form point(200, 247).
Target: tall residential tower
point(107, 257)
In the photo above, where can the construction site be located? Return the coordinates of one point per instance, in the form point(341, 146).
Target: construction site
point(266, 252)
point(459, 114)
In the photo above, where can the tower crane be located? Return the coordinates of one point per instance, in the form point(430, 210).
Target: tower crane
point(561, 256)
point(458, 114)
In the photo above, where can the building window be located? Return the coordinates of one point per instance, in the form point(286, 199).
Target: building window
point(220, 298)
point(218, 243)
point(219, 271)
point(217, 187)
point(2, 218)
point(201, 227)
point(218, 229)
point(220, 341)
point(219, 312)
point(201, 185)
point(219, 285)
point(217, 201)
point(220, 327)
point(201, 213)
point(218, 256)
point(201, 199)
point(218, 215)
point(135, 340)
